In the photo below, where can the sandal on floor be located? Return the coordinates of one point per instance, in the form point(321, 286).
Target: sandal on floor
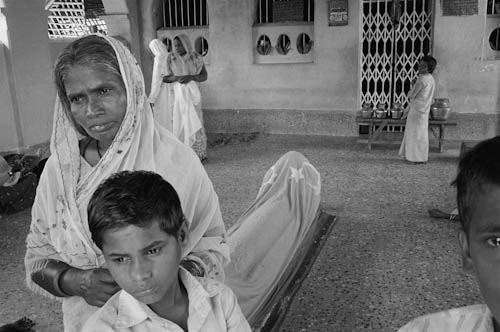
point(21, 325)
point(438, 214)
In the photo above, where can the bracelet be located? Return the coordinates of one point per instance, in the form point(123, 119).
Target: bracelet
point(49, 277)
point(57, 278)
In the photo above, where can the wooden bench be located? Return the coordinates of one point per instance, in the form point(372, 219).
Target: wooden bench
point(272, 313)
point(376, 126)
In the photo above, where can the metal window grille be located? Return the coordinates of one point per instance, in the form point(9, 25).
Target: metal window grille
point(395, 35)
point(71, 18)
point(493, 7)
point(185, 13)
point(494, 39)
point(266, 14)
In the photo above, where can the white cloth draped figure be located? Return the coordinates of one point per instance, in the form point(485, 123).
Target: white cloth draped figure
point(185, 120)
point(160, 96)
point(265, 238)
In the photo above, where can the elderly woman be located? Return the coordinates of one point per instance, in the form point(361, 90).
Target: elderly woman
point(185, 69)
point(103, 124)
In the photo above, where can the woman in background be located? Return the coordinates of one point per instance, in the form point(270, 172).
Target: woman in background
point(185, 70)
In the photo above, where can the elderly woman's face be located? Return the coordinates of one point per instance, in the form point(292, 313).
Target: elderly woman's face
point(98, 101)
point(178, 47)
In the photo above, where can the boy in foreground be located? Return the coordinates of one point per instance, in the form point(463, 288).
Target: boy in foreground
point(478, 198)
point(136, 219)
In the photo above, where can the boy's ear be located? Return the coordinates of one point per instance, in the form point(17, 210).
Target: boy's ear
point(467, 264)
point(182, 234)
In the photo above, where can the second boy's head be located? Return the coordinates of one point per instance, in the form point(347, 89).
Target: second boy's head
point(427, 65)
point(136, 219)
point(478, 198)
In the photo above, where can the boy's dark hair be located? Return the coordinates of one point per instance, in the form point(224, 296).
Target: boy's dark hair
point(134, 198)
point(431, 63)
point(478, 167)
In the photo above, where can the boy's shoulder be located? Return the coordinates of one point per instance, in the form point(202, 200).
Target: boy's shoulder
point(464, 319)
point(104, 319)
point(211, 286)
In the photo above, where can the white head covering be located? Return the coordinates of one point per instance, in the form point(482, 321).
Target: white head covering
point(157, 47)
point(190, 63)
point(160, 53)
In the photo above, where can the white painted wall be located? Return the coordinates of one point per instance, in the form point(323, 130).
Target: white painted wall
point(471, 83)
point(331, 81)
point(235, 82)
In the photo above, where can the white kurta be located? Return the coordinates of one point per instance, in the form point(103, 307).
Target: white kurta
point(415, 145)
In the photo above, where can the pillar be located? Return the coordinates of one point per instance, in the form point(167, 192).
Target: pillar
point(26, 88)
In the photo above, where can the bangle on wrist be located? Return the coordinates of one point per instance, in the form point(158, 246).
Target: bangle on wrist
point(57, 282)
point(50, 275)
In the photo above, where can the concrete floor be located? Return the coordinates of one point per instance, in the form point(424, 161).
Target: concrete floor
point(385, 262)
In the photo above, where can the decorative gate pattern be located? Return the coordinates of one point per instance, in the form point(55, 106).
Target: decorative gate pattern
point(74, 18)
point(394, 36)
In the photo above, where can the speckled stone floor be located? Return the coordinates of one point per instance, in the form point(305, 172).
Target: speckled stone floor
point(385, 262)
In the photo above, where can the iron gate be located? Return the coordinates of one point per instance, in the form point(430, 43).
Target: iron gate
point(394, 36)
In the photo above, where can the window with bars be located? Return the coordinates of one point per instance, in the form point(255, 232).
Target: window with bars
point(270, 11)
point(493, 7)
point(493, 26)
point(185, 13)
point(75, 18)
point(494, 39)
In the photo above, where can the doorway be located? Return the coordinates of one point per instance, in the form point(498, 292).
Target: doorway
point(394, 36)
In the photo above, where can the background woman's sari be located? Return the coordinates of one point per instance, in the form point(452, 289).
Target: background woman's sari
point(190, 63)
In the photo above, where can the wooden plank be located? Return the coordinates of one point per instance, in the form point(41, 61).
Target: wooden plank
point(274, 310)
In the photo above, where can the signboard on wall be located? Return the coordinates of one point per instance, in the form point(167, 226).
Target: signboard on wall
point(337, 13)
point(459, 7)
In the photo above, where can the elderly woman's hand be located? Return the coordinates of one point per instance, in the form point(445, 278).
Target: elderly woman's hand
point(185, 79)
point(170, 79)
point(96, 286)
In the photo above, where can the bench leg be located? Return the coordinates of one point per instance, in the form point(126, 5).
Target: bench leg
point(441, 135)
point(370, 135)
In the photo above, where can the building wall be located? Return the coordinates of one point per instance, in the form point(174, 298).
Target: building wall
point(235, 82)
point(319, 97)
point(242, 96)
point(471, 82)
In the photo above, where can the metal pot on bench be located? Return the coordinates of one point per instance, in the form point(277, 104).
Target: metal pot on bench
point(440, 109)
point(396, 111)
point(367, 111)
point(381, 111)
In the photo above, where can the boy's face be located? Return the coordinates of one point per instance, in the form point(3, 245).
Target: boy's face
point(481, 249)
point(422, 67)
point(144, 261)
